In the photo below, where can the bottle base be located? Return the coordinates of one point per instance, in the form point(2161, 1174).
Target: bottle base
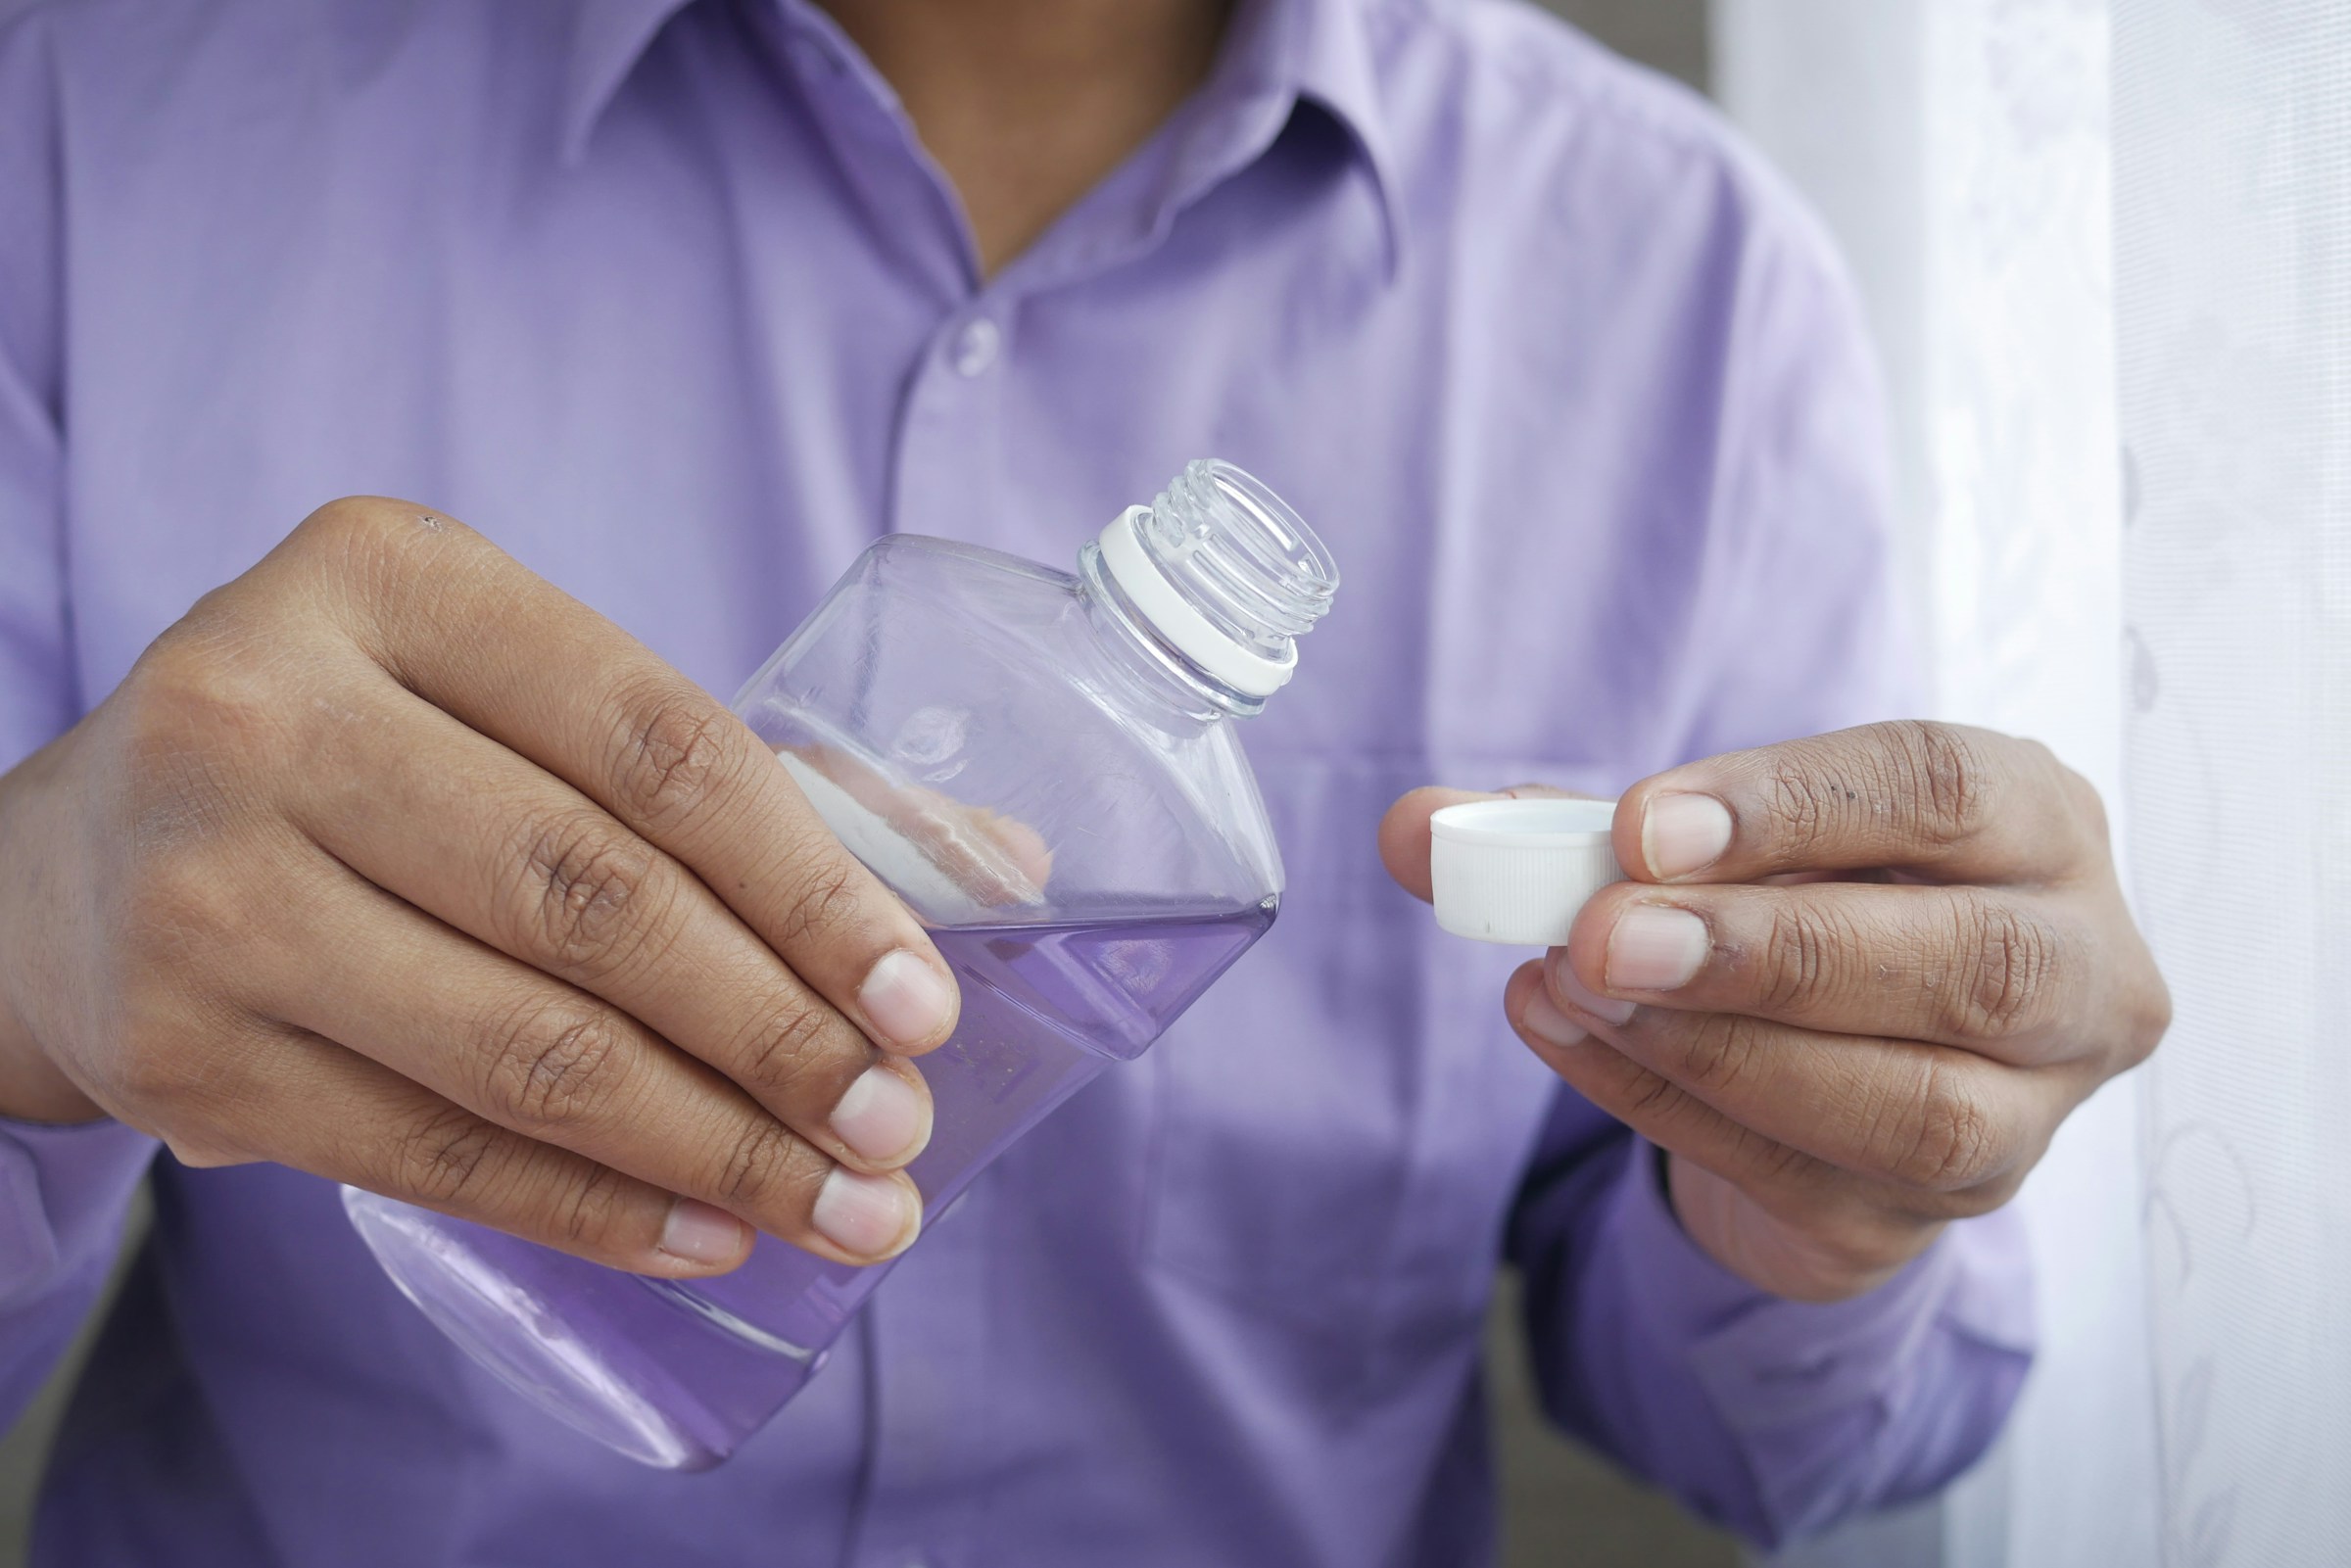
point(479, 1287)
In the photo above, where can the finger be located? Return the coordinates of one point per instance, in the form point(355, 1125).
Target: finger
point(475, 634)
point(2000, 973)
point(1916, 1118)
point(1404, 832)
point(1962, 804)
point(308, 1104)
point(478, 837)
point(1785, 1179)
point(1868, 1219)
point(541, 1059)
point(992, 860)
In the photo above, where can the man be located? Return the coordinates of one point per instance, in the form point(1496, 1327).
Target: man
point(398, 861)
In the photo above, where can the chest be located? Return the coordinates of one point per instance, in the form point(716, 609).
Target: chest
point(691, 379)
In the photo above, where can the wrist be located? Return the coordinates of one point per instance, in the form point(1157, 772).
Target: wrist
point(1832, 1260)
point(32, 1087)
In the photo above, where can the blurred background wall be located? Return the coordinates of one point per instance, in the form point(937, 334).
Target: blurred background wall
point(1670, 34)
point(1562, 1507)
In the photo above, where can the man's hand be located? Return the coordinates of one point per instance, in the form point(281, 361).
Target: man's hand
point(394, 864)
point(1854, 987)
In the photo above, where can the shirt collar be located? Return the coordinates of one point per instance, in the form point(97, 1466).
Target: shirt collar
point(1321, 51)
point(607, 39)
point(1317, 50)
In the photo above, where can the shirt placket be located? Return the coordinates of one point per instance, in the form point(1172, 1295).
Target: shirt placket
point(927, 1329)
point(947, 460)
point(931, 1398)
point(925, 1333)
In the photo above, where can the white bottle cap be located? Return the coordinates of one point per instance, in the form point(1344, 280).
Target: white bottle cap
point(1518, 870)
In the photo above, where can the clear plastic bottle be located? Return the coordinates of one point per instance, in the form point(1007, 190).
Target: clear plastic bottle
point(1045, 768)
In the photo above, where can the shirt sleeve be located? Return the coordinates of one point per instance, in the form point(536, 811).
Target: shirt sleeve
point(64, 1191)
point(1771, 1417)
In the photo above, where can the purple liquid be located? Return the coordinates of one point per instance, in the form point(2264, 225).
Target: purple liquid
point(677, 1374)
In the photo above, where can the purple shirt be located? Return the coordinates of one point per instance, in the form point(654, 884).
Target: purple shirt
point(665, 299)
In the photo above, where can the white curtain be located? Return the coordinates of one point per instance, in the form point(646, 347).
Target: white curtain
point(2046, 201)
point(2232, 144)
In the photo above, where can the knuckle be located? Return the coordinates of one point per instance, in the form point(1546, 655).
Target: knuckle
point(2149, 1019)
point(591, 1210)
point(553, 1066)
point(206, 726)
point(1719, 1054)
point(1649, 1096)
point(1799, 958)
point(824, 897)
point(1805, 806)
point(370, 554)
point(789, 1050)
point(148, 1076)
point(2036, 756)
point(1953, 1144)
point(586, 893)
point(2088, 806)
point(1973, 1203)
point(353, 538)
point(675, 755)
point(758, 1168)
point(184, 909)
point(443, 1157)
point(1767, 1159)
point(193, 717)
point(366, 531)
point(2008, 972)
point(1943, 775)
point(348, 517)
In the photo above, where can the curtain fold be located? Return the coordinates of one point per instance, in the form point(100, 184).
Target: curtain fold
point(2085, 227)
point(1961, 150)
point(2233, 142)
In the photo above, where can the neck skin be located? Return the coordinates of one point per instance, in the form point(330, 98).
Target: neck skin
point(1027, 104)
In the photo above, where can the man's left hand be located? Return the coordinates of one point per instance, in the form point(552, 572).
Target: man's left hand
point(1854, 987)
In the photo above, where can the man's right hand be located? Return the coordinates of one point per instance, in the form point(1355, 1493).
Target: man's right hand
point(394, 864)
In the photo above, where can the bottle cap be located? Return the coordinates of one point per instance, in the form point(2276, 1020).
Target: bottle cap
point(1518, 870)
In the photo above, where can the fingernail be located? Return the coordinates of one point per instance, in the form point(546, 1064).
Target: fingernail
point(1606, 1009)
point(862, 1216)
point(701, 1234)
point(1549, 1025)
point(1656, 949)
point(880, 1116)
point(907, 1000)
point(1684, 833)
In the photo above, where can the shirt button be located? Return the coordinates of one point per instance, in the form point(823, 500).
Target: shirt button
point(976, 347)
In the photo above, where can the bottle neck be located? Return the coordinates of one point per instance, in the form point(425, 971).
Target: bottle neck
point(1202, 595)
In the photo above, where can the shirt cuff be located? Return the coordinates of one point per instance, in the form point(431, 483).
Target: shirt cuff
point(1767, 1363)
point(62, 1193)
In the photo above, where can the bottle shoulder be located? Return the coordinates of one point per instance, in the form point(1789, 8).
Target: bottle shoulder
point(926, 563)
point(963, 697)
